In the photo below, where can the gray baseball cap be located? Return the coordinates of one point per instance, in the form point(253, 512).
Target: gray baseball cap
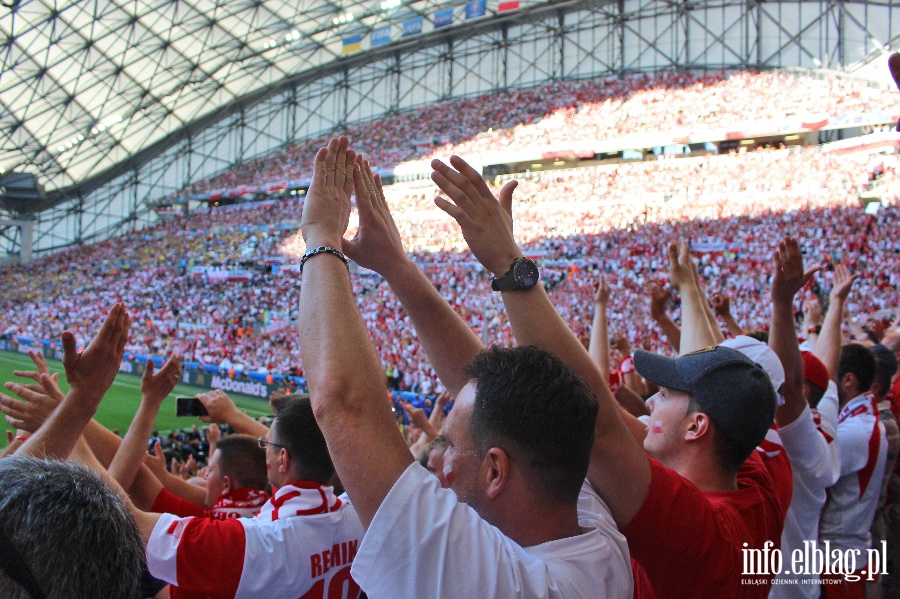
point(735, 392)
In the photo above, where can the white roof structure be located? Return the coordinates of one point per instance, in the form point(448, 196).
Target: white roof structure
point(85, 85)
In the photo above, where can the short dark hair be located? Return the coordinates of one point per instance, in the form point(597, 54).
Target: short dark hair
point(729, 454)
point(816, 393)
point(278, 401)
point(295, 428)
point(528, 401)
point(57, 513)
point(243, 460)
point(759, 335)
point(439, 442)
point(858, 360)
point(883, 375)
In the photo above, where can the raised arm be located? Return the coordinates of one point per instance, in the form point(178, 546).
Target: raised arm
point(696, 332)
point(223, 411)
point(721, 304)
point(154, 389)
point(812, 320)
point(145, 489)
point(714, 328)
point(599, 344)
point(828, 346)
point(346, 384)
point(447, 340)
point(417, 418)
point(437, 416)
point(788, 278)
point(619, 469)
point(658, 297)
point(90, 374)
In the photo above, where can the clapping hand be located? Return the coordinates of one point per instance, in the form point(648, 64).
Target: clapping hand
point(326, 209)
point(91, 372)
point(377, 244)
point(486, 222)
point(156, 387)
point(789, 276)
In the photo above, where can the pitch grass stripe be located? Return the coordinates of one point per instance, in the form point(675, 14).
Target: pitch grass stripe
point(18, 361)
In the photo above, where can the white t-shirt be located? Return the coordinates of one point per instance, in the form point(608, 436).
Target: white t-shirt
point(423, 542)
point(811, 445)
point(847, 519)
point(303, 539)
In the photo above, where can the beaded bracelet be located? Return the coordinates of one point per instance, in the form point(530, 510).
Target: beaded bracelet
point(324, 250)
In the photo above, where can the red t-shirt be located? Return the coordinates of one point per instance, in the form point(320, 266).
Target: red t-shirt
point(687, 543)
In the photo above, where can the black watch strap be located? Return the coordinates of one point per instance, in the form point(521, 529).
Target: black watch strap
point(510, 282)
point(505, 283)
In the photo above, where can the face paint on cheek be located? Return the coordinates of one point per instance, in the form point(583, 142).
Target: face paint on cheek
point(449, 476)
point(657, 427)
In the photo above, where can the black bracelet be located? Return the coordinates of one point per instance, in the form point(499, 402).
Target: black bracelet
point(324, 250)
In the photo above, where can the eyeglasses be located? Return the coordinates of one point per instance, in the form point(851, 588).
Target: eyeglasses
point(262, 443)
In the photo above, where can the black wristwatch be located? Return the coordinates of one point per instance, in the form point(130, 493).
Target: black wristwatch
point(523, 274)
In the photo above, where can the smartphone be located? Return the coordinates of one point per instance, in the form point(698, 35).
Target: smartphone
point(189, 406)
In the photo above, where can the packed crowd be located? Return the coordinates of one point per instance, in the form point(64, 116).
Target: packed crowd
point(575, 112)
point(560, 469)
point(618, 218)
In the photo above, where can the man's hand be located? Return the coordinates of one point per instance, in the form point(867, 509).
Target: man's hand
point(812, 313)
point(623, 345)
point(156, 387)
point(601, 292)
point(658, 298)
point(681, 268)
point(442, 400)
point(416, 415)
point(38, 358)
point(91, 372)
point(45, 381)
point(220, 407)
point(843, 281)
point(326, 209)
point(789, 277)
point(486, 222)
point(377, 244)
point(156, 463)
point(30, 413)
point(894, 64)
point(721, 304)
point(213, 434)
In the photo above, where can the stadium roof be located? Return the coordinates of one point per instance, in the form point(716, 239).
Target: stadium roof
point(86, 85)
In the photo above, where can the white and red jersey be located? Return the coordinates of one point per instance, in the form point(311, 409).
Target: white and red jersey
point(811, 445)
point(850, 509)
point(301, 544)
point(423, 542)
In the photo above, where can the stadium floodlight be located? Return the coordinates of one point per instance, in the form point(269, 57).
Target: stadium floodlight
point(390, 4)
point(343, 18)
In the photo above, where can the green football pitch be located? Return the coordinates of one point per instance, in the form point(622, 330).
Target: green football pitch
point(122, 400)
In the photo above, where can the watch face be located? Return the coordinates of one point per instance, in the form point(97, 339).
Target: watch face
point(526, 274)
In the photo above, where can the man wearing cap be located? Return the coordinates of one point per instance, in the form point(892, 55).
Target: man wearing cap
point(687, 509)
